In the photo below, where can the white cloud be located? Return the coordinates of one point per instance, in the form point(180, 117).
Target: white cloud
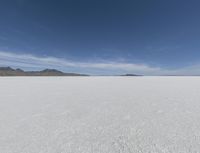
point(33, 62)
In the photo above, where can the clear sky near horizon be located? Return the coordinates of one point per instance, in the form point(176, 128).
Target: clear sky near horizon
point(151, 37)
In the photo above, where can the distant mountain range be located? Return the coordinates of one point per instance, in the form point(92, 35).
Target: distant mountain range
point(8, 71)
point(130, 75)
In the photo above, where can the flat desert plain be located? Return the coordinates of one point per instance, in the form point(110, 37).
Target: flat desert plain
point(99, 114)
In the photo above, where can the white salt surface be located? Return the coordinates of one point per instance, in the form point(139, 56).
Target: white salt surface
point(99, 114)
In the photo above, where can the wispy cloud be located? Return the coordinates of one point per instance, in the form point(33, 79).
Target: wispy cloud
point(28, 61)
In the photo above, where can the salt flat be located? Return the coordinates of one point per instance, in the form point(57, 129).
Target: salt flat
point(99, 114)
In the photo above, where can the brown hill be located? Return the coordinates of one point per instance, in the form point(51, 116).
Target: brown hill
point(8, 71)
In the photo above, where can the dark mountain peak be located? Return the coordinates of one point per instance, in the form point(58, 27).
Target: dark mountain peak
point(51, 70)
point(19, 70)
point(6, 69)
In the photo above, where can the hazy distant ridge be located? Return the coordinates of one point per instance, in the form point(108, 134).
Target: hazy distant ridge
point(8, 71)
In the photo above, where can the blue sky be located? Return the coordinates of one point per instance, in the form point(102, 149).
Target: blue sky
point(101, 37)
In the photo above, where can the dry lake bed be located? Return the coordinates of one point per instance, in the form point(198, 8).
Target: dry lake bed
point(99, 114)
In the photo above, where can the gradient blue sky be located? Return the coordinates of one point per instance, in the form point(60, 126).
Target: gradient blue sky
point(150, 37)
